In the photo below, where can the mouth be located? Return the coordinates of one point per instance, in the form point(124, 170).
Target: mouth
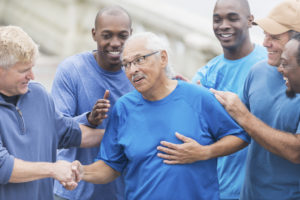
point(225, 36)
point(114, 54)
point(136, 79)
point(286, 81)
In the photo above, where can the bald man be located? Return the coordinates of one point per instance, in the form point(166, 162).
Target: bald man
point(228, 71)
point(80, 81)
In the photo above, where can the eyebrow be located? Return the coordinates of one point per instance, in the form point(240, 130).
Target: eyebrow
point(134, 57)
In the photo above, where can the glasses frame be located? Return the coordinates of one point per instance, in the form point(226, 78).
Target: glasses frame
point(134, 61)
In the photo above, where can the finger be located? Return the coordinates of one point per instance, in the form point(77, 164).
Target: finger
point(183, 138)
point(213, 90)
point(169, 145)
point(167, 150)
point(166, 156)
point(102, 103)
point(220, 99)
point(171, 162)
point(106, 94)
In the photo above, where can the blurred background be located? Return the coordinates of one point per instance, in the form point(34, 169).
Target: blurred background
point(63, 28)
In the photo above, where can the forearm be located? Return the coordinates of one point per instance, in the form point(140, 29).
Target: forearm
point(99, 173)
point(29, 171)
point(90, 137)
point(284, 144)
point(225, 146)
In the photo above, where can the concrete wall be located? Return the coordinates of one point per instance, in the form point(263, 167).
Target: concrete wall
point(63, 27)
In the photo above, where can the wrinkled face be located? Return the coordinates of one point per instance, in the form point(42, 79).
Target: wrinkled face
point(110, 34)
point(290, 67)
point(275, 45)
point(145, 76)
point(231, 23)
point(14, 80)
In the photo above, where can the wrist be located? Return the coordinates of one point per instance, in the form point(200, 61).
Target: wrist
point(50, 170)
point(90, 120)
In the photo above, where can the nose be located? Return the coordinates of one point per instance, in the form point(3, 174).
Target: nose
point(267, 42)
point(224, 24)
point(115, 42)
point(133, 68)
point(30, 75)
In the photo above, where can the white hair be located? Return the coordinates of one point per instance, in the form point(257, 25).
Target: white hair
point(154, 43)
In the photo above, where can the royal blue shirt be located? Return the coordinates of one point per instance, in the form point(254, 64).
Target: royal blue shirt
point(137, 126)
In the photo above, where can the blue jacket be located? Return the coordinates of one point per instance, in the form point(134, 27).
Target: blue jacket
point(32, 131)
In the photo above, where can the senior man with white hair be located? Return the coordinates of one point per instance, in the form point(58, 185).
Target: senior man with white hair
point(159, 109)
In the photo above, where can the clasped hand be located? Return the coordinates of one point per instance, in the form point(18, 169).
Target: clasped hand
point(69, 174)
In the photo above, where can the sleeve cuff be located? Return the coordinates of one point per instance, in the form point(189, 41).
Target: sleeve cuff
point(6, 169)
point(82, 119)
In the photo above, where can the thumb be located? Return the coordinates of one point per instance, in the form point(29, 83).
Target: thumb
point(106, 94)
point(213, 90)
point(182, 137)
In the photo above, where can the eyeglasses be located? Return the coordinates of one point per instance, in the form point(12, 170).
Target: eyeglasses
point(139, 61)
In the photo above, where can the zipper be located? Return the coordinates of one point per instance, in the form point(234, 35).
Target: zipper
point(21, 120)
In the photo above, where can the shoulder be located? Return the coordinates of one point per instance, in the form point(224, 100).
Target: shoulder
point(260, 52)
point(74, 61)
point(260, 66)
point(214, 61)
point(37, 90)
point(132, 97)
point(211, 66)
point(192, 91)
point(34, 86)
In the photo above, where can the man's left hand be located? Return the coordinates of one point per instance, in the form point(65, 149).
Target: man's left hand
point(188, 152)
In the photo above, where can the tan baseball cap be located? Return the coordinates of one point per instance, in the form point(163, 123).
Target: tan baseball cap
point(284, 17)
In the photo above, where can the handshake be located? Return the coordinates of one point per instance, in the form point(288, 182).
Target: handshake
point(68, 174)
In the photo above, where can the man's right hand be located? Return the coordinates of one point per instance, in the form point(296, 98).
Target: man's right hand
point(77, 174)
point(100, 109)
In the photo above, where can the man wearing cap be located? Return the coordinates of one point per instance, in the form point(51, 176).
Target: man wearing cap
point(272, 170)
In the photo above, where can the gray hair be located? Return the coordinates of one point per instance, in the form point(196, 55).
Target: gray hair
point(155, 43)
point(16, 46)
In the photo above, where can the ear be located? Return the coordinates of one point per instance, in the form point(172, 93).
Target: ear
point(164, 58)
point(250, 21)
point(94, 34)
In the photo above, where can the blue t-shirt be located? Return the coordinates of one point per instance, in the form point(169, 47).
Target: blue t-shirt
point(136, 128)
point(229, 75)
point(79, 82)
point(269, 176)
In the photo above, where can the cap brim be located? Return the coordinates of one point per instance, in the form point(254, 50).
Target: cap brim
point(271, 26)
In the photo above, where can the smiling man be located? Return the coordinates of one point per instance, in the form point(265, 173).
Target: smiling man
point(232, 20)
point(155, 111)
point(272, 170)
point(31, 128)
point(290, 66)
point(80, 81)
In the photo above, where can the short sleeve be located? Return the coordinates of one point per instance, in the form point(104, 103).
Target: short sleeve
point(111, 151)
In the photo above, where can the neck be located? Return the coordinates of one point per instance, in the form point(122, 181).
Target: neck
point(237, 53)
point(163, 88)
point(104, 65)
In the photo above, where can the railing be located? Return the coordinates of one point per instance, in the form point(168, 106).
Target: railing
point(63, 27)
